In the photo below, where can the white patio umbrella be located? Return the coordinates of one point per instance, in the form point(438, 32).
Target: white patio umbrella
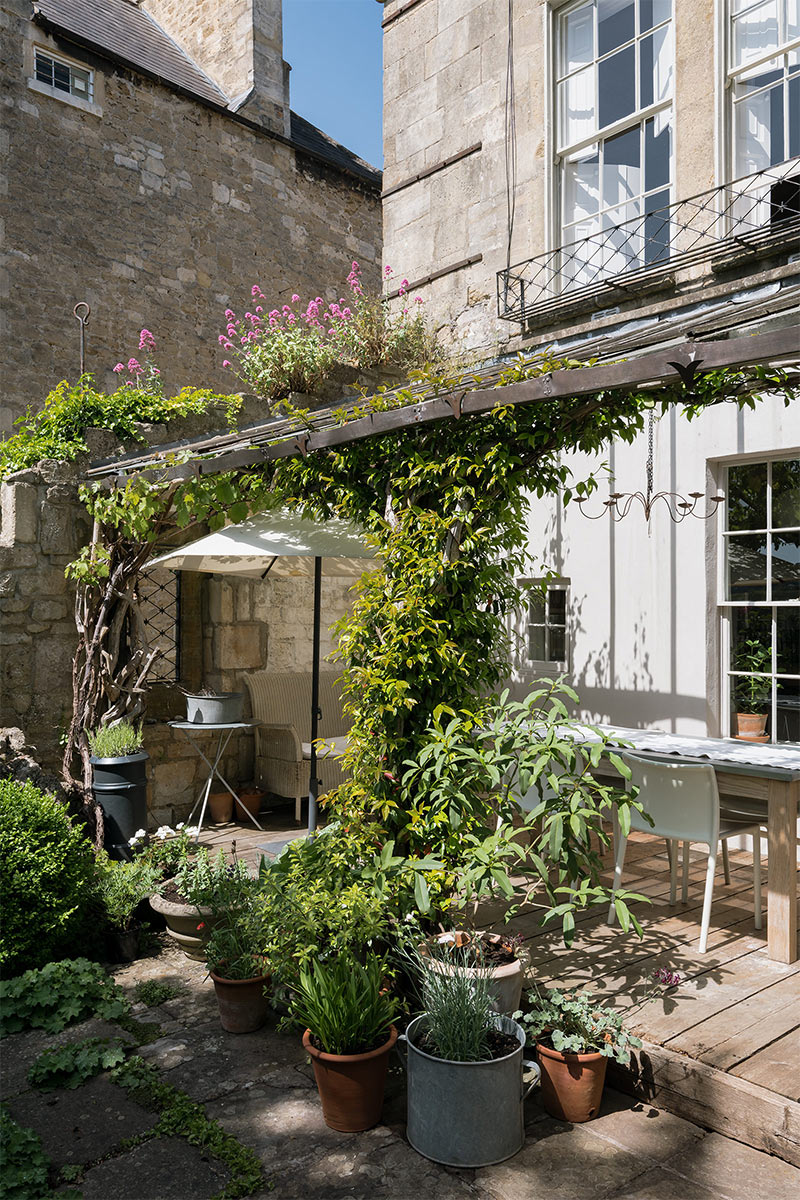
point(287, 544)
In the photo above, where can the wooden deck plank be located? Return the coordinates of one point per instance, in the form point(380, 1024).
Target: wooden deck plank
point(777, 1066)
point(728, 1038)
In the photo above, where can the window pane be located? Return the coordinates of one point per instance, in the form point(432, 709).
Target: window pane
point(753, 136)
point(577, 39)
point(653, 12)
point(581, 187)
point(787, 647)
point(576, 100)
point(536, 643)
point(786, 493)
point(751, 639)
point(657, 154)
point(536, 610)
point(557, 604)
point(755, 33)
point(747, 496)
point(617, 86)
point(786, 566)
point(557, 645)
point(787, 711)
point(615, 24)
point(61, 76)
point(794, 115)
point(747, 567)
point(622, 177)
point(44, 69)
point(657, 228)
point(80, 82)
point(655, 69)
point(792, 19)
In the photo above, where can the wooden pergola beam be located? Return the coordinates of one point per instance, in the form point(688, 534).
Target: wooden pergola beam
point(648, 371)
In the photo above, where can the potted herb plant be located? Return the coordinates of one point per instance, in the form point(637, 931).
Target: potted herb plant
point(575, 1038)
point(753, 691)
point(494, 954)
point(186, 901)
point(119, 782)
point(122, 887)
point(349, 1033)
point(208, 707)
point(464, 1060)
point(234, 955)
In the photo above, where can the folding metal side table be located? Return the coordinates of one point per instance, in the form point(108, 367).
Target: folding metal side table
point(191, 729)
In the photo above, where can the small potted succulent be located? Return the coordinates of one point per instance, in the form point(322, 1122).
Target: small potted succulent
point(753, 691)
point(208, 707)
point(122, 887)
point(348, 1014)
point(119, 782)
point(464, 1061)
point(186, 901)
point(497, 955)
point(234, 956)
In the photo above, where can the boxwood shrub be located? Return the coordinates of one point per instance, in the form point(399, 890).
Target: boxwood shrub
point(47, 881)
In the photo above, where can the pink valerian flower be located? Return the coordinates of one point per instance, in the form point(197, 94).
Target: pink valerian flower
point(134, 367)
point(255, 290)
point(667, 977)
point(230, 314)
point(295, 298)
point(387, 271)
point(146, 340)
point(401, 291)
point(119, 368)
point(418, 300)
point(225, 363)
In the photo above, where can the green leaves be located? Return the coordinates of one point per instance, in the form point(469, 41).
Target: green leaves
point(58, 995)
point(344, 1003)
point(69, 1066)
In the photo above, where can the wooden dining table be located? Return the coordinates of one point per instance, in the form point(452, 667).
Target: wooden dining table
point(769, 775)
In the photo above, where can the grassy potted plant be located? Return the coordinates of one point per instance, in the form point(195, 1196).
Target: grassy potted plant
point(464, 1061)
point(234, 955)
point(575, 1037)
point(187, 901)
point(349, 1034)
point(122, 887)
point(119, 782)
point(753, 691)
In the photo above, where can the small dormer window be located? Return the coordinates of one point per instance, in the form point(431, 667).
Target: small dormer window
point(63, 75)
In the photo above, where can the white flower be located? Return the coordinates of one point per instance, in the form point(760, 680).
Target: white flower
point(192, 830)
point(179, 826)
point(163, 831)
point(140, 833)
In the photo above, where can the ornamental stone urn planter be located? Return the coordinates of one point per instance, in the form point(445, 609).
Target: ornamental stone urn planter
point(506, 978)
point(182, 925)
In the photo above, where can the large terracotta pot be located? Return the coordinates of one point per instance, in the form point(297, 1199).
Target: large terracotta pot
point(220, 806)
point(243, 1005)
point(572, 1084)
point(750, 727)
point(248, 803)
point(351, 1085)
point(182, 922)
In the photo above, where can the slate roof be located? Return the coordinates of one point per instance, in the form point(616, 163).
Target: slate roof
point(125, 31)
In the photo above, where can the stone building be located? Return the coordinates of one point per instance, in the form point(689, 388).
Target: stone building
point(154, 169)
point(605, 177)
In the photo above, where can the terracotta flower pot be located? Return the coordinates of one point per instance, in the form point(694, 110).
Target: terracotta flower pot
point(243, 1006)
point(572, 1084)
point(750, 727)
point(248, 804)
point(220, 806)
point(351, 1085)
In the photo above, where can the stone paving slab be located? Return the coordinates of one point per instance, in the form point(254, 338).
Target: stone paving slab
point(164, 1169)
point(20, 1050)
point(84, 1124)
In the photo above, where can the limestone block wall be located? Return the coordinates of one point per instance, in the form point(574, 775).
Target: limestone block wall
point(160, 212)
point(445, 72)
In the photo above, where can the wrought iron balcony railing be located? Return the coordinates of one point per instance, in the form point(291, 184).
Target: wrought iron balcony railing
point(749, 216)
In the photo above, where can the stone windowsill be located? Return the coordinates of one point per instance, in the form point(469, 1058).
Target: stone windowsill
point(44, 89)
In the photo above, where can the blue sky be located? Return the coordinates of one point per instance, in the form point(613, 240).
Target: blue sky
point(334, 48)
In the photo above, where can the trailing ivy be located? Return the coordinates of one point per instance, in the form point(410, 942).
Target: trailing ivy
point(70, 1065)
point(179, 1116)
point(59, 995)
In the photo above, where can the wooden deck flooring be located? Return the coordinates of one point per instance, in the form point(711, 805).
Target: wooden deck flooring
point(723, 1049)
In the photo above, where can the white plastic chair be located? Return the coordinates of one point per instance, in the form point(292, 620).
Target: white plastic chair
point(683, 801)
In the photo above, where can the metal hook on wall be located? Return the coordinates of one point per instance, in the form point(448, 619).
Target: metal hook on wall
point(81, 312)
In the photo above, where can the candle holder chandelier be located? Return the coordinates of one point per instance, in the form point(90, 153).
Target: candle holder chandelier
point(619, 504)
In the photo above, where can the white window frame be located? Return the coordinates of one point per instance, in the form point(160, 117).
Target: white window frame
point(77, 99)
point(543, 588)
point(638, 118)
point(726, 606)
point(735, 73)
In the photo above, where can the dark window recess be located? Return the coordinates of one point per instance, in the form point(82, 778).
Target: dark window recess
point(784, 200)
point(160, 604)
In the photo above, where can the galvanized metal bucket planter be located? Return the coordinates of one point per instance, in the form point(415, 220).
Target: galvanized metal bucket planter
point(467, 1114)
point(224, 708)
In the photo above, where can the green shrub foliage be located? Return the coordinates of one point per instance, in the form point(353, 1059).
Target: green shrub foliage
point(71, 1065)
point(23, 1164)
point(47, 879)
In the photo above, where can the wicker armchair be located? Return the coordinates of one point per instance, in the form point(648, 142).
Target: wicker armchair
point(283, 747)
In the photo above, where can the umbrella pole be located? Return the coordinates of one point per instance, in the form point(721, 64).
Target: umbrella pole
point(313, 786)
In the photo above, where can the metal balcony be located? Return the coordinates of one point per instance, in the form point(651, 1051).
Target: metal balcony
point(750, 217)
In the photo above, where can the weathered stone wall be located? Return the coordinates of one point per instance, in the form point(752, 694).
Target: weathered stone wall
point(158, 211)
point(444, 91)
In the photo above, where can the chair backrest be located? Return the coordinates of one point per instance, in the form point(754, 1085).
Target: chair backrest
point(282, 698)
point(682, 798)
